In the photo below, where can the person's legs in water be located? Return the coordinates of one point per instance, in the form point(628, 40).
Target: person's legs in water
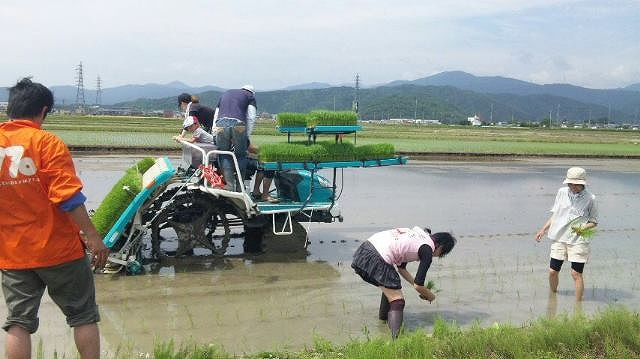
point(576, 273)
point(396, 310)
point(554, 270)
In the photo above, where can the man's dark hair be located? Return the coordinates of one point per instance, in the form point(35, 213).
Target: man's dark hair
point(184, 97)
point(27, 98)
point(444, 240)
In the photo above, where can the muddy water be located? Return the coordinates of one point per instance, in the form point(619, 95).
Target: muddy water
point(497, 273)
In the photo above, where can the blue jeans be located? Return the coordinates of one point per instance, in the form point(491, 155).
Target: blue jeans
point(233, 137)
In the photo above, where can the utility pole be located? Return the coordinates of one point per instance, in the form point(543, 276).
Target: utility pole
point(80, 89)
point(415, 110)
point(98, 91)
point(356, 97)
point(491, 115)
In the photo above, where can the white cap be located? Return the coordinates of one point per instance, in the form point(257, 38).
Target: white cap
point(190, 120)
point(576, 175)
point(249, 88)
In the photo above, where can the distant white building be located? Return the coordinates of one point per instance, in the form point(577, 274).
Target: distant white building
point(429, 122)
point(3, 106)
point(475, 120)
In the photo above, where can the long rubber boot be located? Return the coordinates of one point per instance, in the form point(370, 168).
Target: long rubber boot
point(395, 322)
point(396, 313)
point(383, 312)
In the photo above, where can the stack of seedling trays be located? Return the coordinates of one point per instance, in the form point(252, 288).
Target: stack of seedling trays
point(319, 122)
point(313, 155)
point(120, 196)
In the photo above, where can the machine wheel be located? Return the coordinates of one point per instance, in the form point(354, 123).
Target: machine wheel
point(191, 220)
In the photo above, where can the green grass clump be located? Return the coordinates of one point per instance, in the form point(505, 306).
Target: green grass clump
point(332, 118)
point(375, 151)
point(122, 193)
point(187, 351)
point(292, 119)
point(612, 333)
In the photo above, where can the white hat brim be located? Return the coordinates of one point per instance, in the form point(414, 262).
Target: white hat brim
point(574, 181)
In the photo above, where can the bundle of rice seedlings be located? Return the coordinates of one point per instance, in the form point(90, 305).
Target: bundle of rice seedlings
point(582, 232)
point(332, 118)
point(292, 119)
point(375, 151)
point(431, 285)
point(122, 193)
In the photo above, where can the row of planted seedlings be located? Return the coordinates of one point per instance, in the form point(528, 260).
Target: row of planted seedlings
point(322, 151)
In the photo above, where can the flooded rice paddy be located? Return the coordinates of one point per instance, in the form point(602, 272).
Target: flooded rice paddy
point(286, 297)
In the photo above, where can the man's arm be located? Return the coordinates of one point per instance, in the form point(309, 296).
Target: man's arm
point(93, 239)
point(215, 116)
point(251, 118)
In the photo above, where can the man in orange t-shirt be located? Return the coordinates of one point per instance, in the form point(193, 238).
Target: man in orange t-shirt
point(43, 213)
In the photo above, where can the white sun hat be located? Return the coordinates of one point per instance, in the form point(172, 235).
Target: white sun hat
point(576, 175)
point(188, 121)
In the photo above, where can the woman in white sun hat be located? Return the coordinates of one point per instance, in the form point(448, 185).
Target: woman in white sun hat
point(574, 214)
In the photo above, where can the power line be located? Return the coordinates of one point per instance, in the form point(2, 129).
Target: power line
point(80, 88)
point(98, 91)
point(356, 97)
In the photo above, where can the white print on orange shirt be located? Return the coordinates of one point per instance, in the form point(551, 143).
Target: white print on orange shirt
point(17, 164)
point(19, 181)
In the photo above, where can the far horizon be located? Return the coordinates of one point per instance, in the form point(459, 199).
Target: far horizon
point(179, 83)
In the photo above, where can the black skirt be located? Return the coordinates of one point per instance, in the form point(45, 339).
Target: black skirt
point(369, 265)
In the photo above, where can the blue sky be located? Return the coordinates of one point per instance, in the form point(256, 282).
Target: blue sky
point(273, 44)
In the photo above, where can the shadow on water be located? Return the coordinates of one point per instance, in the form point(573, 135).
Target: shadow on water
point(257, 245)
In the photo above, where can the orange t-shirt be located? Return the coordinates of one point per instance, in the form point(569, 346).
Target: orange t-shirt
point(36, 175)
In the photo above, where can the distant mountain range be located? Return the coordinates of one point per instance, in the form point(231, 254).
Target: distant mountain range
point(625, 100)
point(66, 95)
point(446, 96)
point(309, 86)
point(634, 87)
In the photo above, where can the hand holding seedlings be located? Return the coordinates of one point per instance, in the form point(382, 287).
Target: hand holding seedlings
point(584, 231)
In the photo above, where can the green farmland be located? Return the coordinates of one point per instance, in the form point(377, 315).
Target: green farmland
point(102, 132)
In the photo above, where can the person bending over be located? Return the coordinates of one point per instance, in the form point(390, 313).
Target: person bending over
point(383, 257)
